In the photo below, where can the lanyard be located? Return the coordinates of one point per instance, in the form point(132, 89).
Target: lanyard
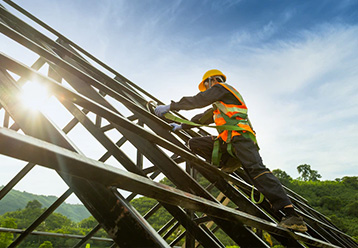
point(217, 155)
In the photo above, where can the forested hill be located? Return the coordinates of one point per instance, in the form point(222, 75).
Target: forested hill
point(337, 199)
point(16, 200)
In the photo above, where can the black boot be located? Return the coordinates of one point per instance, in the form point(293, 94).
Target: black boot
point(292, 221)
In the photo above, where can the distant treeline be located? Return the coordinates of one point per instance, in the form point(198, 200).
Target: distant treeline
point(337, 200)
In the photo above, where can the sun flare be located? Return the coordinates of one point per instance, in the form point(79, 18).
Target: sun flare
point(34, 95)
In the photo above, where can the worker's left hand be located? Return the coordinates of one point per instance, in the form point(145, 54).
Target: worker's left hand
point(175, 126)
point(162, 109)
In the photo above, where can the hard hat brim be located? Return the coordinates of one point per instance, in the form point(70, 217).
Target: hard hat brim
point(202, 86)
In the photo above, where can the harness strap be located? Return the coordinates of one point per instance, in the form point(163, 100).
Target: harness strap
point(229, 146)
point(216, 155)
point(230, 149)
point(262, 197)
point(208, 115)
point(169, 116)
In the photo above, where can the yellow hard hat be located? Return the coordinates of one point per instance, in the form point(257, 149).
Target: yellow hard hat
point(210, 73)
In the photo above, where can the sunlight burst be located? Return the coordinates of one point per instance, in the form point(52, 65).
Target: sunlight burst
point(34, 95)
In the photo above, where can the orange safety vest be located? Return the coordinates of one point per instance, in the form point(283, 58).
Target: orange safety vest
point(232, 114)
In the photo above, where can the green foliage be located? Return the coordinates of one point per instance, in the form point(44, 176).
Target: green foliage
point(167, 182)
point(34, 204)
point(159, 218)
point(330, 202)
point(338, 200)
point(282, 176)
point(6, 238)
point(56, 222)
point(352, 209)
point(24, 217)
point(75, 212)
point(351, 182)
point(88, 223)
point(222, 236)
point(46, 244)
point(16, 200)
point(307, 174)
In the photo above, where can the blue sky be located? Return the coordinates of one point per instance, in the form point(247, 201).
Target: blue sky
point(294, 62)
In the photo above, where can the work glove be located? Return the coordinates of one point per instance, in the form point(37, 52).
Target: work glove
point(161, 110)
point(175, 127)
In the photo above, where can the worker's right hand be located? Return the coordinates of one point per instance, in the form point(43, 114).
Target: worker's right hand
point(161, 110)
point(175, 126)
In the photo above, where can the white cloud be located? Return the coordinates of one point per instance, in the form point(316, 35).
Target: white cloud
point(297, 91)
point(247, 38)
point(302, 93)
point(222, 5)
point(307, 95)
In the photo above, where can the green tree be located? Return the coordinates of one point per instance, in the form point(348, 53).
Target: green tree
point(26, 216)
point(284, 178)
point(57, 221)
point(330, 202)
point(351, 182)
point(337, 221)
point(307, 174)
point(88, 223)
point(352, 209)
point(34, 204)
point(6, 238)
point(46, 244)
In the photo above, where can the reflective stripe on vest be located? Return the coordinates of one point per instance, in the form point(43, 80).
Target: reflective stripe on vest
point(231, 114)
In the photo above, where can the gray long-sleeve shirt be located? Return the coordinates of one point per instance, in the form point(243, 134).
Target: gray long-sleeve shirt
point(203, 99)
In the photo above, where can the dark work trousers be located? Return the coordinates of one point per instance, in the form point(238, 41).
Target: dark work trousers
point(248, 155)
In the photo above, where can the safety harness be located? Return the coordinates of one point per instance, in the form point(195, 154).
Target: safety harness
point(231, 120)
point(231, 115)
point(216, 150)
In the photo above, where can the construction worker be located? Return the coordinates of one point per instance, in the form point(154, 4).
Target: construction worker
point(238, 145)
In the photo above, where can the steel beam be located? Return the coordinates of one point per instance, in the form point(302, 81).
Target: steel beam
point(94, 182)
point(52, 156)
point(57, 235)
point(87, 104)
point(41, 218)
point(99, 200)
